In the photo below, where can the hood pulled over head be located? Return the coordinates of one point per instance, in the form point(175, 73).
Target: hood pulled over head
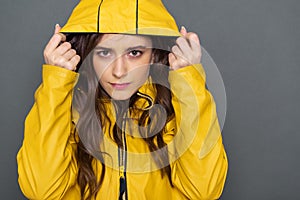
point(145, 17)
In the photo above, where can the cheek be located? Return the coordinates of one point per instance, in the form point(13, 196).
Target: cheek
point(142, 72)
point(99, 68)
point(141, 66)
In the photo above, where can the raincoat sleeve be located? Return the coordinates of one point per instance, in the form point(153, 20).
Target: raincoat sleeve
point(46, 160)
point(201, 168)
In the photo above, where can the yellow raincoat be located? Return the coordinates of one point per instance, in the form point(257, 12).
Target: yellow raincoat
point(47, 165)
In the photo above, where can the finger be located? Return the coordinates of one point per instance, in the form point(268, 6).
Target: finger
point(193, 37)
point(62, 49)
point(56, 31)
point(176, 51)
point(69, 54)
point(195, 46)
point(183, 31)
point(63, 37)
point(56, 39)
point(172, 58)
point(184, 45)
point(53, 43)
point(193, 40)
point(72, 64)
point(178, 63)
point(57, 28)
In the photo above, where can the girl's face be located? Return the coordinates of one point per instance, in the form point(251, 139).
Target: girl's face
point(122, 63)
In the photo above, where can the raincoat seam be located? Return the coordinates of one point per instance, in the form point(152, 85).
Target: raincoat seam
point(137, 17)
point(98, 16)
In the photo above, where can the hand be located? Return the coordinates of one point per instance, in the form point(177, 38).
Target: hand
point(187, 50)
point(59, 53)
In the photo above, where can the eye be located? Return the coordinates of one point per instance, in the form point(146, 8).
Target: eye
point(135, 53)
point(103, 53)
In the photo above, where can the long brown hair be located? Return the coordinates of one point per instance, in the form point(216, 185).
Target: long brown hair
point(96, 117)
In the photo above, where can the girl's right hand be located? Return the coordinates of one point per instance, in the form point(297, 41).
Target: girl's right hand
point(59, 53)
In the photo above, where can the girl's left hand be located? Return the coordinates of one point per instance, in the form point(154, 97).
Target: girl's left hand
point(187, 50)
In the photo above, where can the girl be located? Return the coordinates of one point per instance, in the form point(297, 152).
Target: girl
point(137, 123)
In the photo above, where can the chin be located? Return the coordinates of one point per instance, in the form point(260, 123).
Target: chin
point(120, 97)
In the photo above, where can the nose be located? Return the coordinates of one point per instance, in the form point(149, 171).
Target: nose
point(119, 69)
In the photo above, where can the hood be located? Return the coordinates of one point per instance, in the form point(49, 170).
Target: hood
point(145, 17)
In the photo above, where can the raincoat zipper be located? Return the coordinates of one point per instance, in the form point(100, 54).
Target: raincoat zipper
point(122, 164)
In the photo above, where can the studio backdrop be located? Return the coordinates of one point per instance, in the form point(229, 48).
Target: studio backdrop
point(255, 48)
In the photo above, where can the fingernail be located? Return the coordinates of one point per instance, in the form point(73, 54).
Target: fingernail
point(183, 28)
point(57, 25)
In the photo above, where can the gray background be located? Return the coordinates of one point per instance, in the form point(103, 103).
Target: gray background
point(255, 44)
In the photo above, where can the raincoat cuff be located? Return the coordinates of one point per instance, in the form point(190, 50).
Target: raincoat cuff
point(54, 76)
point(193, 72)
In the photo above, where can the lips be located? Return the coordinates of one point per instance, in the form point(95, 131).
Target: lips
point(119, 86)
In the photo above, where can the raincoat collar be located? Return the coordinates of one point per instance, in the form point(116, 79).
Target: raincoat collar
point(148, 94)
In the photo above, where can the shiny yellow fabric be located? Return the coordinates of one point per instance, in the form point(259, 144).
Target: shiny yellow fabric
point(46, 161)
point(148, 17)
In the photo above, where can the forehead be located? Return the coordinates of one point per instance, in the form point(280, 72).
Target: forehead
point(122, 40)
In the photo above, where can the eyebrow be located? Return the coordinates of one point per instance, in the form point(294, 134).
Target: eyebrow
point(137, 47)
point(128, 49)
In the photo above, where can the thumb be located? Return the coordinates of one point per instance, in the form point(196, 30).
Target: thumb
point(56, 31)
point(183, 31)
point(57, 28)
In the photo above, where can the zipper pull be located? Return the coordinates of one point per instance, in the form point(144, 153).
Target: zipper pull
point(122, 191)
point(121, 173)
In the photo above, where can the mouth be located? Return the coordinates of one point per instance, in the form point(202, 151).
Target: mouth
point(119, 86)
